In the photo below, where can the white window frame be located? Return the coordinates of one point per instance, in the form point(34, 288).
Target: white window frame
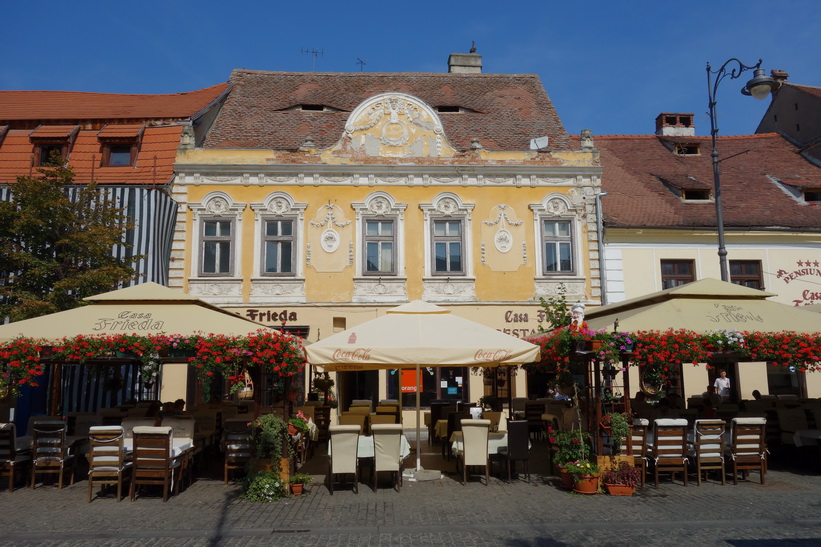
point(380, 206)
point(216, 206)
point(557, 207)
point(279, 206)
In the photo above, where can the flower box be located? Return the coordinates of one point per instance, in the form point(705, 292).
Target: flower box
point(619, 489)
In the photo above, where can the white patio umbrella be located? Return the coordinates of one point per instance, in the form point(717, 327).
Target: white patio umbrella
point(419, 334)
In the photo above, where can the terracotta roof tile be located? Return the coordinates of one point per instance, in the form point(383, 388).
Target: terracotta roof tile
point(751, 197)
point(54, 131)
point(75, 105)
point(120, 131)
point(503, 111)
point(85, 156)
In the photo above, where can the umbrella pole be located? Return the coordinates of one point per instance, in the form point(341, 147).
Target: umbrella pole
point(418, 416)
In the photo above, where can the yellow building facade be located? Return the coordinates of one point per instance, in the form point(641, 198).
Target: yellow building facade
point(396, 201)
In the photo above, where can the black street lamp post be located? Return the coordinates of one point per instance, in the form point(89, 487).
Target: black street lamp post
point(759, 87)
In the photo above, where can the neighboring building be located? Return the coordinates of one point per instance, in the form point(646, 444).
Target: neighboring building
point(659, 220)
point(126, 143)
point(319, 200)
point(795, 113)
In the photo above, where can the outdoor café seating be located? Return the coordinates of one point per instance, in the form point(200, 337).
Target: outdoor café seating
point(236, 445)
point(387, 443)
point(10, 459)
point(474, 450)
point(107, 464)
point(708, 447)
point(748, 449)
point(668, 451)
point(342, 458)
point(638, 445)
point(518, 447)
point(51, 454)
point(354, 419)
point(154, 461)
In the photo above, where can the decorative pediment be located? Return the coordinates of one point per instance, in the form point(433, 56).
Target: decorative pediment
point(396, 125)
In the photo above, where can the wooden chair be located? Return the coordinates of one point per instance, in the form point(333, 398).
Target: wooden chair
point(518, 446)
point(343, 452)
point(354, 419)
point(182, 431)
point(474, 447)
point(361, 410)
point(322, 419)
point(107, 463)
point(638, 445)
point(50, 454)
point(669, 449)
point(236, 445)
point(533, 415)
point(363, 402)
point(494, 417)
point(438, 411)
point(387, 443)
point(381, 419)
point(10, 460)
point(708, 447)
point(748, 449)
point(154, 461)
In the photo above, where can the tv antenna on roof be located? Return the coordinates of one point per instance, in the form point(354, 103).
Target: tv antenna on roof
point(314, 53)
point(361, 63)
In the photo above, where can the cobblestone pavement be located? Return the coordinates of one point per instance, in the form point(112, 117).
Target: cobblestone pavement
point(787, 509)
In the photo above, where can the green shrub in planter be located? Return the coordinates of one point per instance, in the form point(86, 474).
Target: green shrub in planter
point(265, 487)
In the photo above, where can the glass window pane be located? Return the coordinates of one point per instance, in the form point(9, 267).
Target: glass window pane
point(210, 229)
point(287, 227)
point(286, 264)
point(439, 228)
point(119, 155)
point(549, 228)
point(209, 259)
point(387, 256)
point(372, 257)
point(387, 228)
point(271, 252)
point(550, 258)
point(455, 257)
point(224, 228)
point(372, 228)
point(440, 250)
point(454, 228)
point(272, 228)
point(563, 229)
point(224, 256)
point(564, 252)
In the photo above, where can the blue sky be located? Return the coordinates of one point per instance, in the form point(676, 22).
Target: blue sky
point(611, 67)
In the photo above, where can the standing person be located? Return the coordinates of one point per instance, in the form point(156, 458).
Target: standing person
point(722, 384)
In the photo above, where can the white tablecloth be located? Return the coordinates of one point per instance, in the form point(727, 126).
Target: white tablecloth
point(496, 442)
point(366, 450)
point(178, 446)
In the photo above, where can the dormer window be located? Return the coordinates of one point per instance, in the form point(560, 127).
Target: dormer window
point(51, 141)
point(695, 195)
point(452, 109)
point(813, 196)
point(119, 144)
point(687, 187)
point(687, 149)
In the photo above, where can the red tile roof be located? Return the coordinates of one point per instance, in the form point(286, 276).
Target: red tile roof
point(120, 131)
point(634, 165)
point(154, 164)
point(54, 131)
point(503, 111)
point(75, 105)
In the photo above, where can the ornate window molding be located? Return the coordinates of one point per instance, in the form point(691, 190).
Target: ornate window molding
point(226, 289)
point(441, 215)
point(279, 287)
point(558, 210)
point(381, 214)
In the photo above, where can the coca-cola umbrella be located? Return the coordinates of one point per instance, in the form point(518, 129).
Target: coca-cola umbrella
point(419, 334)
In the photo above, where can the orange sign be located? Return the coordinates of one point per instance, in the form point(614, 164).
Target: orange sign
point(409, 381)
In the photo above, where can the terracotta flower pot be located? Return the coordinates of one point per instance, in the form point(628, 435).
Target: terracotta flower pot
point(586, 484)
point(567, 480)
point(296, 489)
point(292, 430)
point(620, 489)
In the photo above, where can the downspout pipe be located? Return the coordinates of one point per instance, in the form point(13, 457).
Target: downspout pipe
point(600, 234)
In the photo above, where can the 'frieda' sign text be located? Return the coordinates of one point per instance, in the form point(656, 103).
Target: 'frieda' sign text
point(129, 321)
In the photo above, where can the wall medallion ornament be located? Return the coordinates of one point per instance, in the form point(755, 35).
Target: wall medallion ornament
point(279, 206)
point(330, 240)
point(503, 239)
point(217, 206)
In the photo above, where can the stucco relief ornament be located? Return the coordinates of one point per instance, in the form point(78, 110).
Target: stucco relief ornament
point(330, 240)
point(379, 206)
point(217, 206)
point(447, 206)
point(556, 207)
point(394, 132)
point(503, 240)
point(279, 206)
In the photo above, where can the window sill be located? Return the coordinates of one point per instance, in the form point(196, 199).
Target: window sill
point(278, 290)
point(386, 288)
point(216, 290)
point(449, 289)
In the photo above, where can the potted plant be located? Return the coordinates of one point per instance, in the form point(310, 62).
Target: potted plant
point(269, 437)
point(585, 476)
point(488, 402)
point(617, 426)
point(264, 486)
point(297, 424)
point(622, 481)
point(298, 481)
point(568, 446)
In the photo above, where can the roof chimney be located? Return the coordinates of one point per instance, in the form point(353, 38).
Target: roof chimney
point(465, 63)
point(675, 125)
